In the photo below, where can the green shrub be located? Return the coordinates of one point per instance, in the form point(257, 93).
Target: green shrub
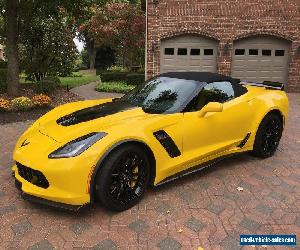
point(116, 68)
point(105, 57)
point(48, 85)
point(76, 74)
point(81, 67)
point(3, 65)
point(99, 71)
point(114, 87)
point(3, 74)
point(135, 79)
point(54, 79)
point(21, 104)
point(121, 76)
point(113, 76)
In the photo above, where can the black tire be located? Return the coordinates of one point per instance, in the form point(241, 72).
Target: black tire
point(268, 136)
point(122, 178)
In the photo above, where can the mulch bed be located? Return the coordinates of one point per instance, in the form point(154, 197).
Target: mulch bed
point(59, 97)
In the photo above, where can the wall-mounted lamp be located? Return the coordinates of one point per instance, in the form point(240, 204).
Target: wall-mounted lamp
point(154, 46)
point(226, 47)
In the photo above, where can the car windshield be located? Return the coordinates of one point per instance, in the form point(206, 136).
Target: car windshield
point(162, 95)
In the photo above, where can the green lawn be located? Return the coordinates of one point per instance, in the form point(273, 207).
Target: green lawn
point(75, 80)
point(114, 87)
point(72, 81)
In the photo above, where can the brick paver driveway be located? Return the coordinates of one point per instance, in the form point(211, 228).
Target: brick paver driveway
point(204, 209)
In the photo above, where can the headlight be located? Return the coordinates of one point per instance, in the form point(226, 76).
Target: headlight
point(77, 146)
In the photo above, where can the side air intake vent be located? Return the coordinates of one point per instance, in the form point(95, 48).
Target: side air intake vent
point(244, 141)
point(167, 142)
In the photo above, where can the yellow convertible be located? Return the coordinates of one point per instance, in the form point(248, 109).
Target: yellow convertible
point(111, 150)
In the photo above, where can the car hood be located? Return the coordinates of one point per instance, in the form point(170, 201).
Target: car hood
point(71, 121)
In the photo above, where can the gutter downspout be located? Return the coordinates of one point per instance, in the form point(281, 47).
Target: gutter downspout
point(146, 43)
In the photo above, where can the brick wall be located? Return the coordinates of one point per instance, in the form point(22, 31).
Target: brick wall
point(226, 21)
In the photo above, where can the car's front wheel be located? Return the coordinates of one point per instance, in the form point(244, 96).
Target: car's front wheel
point(122, 178)
point(268, 136)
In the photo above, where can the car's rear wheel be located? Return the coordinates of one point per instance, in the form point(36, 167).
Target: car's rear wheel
point(122, 178)
point(268, 136)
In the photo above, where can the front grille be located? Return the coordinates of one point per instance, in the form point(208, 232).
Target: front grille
point(33, 176)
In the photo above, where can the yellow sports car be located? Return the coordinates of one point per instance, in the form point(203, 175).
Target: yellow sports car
point(176, 123)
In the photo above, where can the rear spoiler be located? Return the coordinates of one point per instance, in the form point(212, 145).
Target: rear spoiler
point(266, 84)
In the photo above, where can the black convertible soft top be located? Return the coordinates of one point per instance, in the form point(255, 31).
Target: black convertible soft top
point(200, 76)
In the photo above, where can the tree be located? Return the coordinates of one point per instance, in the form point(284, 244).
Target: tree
point(105, 58)
point(12, 46)
point(143, 5)
point(19, 14)
point(47, 47)
point(120, 26)
point(92, 11)
point(84, 36)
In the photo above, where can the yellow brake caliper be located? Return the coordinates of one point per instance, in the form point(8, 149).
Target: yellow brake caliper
point(135, 177)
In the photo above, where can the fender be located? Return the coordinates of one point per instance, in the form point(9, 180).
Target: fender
point(261, 117)
point(275, 101)
point(102, 158)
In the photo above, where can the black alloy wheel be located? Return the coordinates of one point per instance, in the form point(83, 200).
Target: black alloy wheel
point(123, 178)
point(268, 136)
point(128, 179)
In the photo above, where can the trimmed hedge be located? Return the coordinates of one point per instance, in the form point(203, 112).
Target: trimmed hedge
point(99, 71)
point(114, 87)
point(129, 78)
point(3, 74)
point(113, 76)
point(135, 79)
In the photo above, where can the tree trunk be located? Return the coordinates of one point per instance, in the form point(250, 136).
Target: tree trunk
point(12, 47)
point(93, 59)
point(92, 53)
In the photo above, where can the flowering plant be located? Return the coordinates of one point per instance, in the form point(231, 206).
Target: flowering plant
point(41, 100)
point(21, 103)
point(4, 104)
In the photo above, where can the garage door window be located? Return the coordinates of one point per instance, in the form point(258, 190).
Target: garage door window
point(253, 52)
point(266, 52)
point(279, 52)
point(266, 58)
point(208, 52)
point(240, 52)
point(186, 53)
point(195, 52)
point(182, 52)
point(169, 51)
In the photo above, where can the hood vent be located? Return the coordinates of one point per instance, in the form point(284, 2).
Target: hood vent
point(94, 112)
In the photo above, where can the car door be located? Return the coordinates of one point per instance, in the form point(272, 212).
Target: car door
point(216, 132)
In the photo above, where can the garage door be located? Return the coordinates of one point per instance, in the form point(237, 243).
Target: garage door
point(259, 59)
point(188, 53)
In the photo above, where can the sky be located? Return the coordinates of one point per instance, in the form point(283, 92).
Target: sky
point(79, 44)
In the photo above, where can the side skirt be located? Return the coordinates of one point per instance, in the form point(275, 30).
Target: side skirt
point(196, 169)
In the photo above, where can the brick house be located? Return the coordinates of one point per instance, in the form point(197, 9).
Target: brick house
point(254, 40)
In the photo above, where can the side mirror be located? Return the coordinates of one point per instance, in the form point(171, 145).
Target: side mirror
point(211, 107)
